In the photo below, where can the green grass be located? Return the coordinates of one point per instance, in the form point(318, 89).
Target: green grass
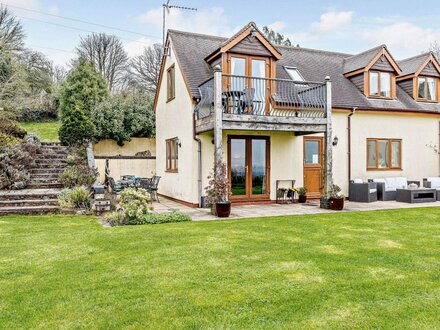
point(46, 131)
point(370, 270)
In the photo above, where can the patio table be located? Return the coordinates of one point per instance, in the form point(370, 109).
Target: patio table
point(416, 195)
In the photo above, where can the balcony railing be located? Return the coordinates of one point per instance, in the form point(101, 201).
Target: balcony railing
point(245, 95)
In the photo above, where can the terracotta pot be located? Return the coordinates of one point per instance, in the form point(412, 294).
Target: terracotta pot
point(336, 204)
point(302, 198)
point(223, 210)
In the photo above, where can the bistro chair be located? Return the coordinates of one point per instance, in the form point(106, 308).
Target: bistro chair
point(247, 101)
point(116, 187)
point(154, 187)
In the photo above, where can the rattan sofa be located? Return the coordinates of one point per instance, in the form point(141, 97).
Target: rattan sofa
point(434, 183)
point(359, 191)
point(387, 187)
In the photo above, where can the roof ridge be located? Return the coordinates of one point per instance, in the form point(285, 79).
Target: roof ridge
point(197, 34)
point(415, 56)
point(312, 50)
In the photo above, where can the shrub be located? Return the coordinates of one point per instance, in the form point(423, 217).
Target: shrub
point(116, 218)
point(78, 197)
point(8, 140)
point(154, 218)
point(10, 127)
point(123, 117)
point(76, 128)
point(77, 175)
point(134, 202)
point(218, 189)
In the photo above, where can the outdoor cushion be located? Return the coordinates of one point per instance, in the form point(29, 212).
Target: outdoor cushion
point(390, 183)
point(390, 189)
point(435, 182)
point(372, 191)
point(379, 180)
point(358, 181)
point(401, 182)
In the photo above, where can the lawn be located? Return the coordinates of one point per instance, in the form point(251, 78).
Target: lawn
point(370, 270)
point(46, 131)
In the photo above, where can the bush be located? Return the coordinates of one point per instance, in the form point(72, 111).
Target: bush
point(123, 117)
point(118, 218)
point(45, 110)
point(78, 197)
point(8, 140)
point(10, 127)
point(77, 175)
point(134, 202)
point(76, 128)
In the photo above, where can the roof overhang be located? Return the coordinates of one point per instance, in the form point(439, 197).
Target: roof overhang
point(250, 29)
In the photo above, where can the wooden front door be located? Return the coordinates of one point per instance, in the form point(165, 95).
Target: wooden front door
point(248, 167)
point(313, 167)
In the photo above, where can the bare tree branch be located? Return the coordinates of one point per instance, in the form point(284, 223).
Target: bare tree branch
point(11, 32)
point(108, 55)
point(145, 68)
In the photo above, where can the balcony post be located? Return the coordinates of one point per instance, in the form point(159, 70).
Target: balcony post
point(218, 115)
point(328, 152)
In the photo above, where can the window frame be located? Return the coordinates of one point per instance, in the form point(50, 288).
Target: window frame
point(171, 83)
point(379, 73)
point(425, 99)
point(287, 68)
point(390, 154)
point(172, 155)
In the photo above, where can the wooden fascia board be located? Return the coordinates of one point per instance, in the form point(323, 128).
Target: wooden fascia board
point(162, 69)
point(388, 57)
point(405, 77)
point(429, 59)
point(275, 53)
point(354, 73)
point(388, 111)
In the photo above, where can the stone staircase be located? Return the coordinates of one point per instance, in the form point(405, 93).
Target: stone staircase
point(40, 196)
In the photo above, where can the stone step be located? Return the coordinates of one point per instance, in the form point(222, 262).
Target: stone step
point(29, 210)
point(50, 161)
point(45, 185)
point(44, 171)
point(29, 194)
point(40, 181)
point(51, 156)
point(44, 177)
point(28, 202)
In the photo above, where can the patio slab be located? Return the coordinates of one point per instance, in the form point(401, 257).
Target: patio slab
point(270, 210)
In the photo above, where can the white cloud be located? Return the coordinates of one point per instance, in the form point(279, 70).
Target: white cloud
point(277, 26)
point(403, 38)
point(29, 4)
point(331, 21)
point(54, 10)
point(136, 47)
point(209, 21)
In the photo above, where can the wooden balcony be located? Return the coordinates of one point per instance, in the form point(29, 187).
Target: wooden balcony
point(264, 104)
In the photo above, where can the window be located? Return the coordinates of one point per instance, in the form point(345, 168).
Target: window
point(171, 88)
point(427, 88)
point(380, 84)
point(172, 154)
point(384, 154)
point(294, 73)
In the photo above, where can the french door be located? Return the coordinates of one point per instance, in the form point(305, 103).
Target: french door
point(248, 167)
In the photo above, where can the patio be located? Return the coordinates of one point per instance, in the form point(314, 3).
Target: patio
point(270, 210)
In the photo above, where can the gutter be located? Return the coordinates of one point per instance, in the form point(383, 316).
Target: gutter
point(199, 154)
point(353, 110)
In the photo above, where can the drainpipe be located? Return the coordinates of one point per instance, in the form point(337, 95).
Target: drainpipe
point(199, 154)
point(349, 141)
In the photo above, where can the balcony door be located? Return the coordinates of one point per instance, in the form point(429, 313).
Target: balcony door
point(313, 167)
point(251, 90)
point(248, 167)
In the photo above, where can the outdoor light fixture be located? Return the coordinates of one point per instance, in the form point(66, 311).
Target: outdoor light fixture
point(179, 144)
point(335, 141)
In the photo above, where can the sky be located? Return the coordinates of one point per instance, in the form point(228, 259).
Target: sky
point(406, 27)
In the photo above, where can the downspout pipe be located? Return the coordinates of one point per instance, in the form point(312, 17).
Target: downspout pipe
point(199, 161)
point(349, 141)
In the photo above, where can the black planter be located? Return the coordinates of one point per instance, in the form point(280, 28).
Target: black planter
point(324, 202)
point(302, 198)
point(336, 204)
point(223, 210)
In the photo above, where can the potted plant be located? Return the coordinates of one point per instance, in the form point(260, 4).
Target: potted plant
point(302, 194)
point(218, 191)
point(336, 198)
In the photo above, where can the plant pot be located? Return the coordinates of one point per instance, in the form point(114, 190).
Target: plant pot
point(336, 204)
point(223, 210)
point(302, 198)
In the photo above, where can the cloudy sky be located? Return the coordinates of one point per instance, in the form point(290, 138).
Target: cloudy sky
point(346, 26)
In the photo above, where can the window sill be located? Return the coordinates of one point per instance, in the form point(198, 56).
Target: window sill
point(384, 169)
point(426, 101)
point(171, 171)
point(170, 99)
point(381, 97)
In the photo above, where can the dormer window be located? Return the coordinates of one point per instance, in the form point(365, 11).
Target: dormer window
point(294, 73)
point(427, 89)
point(380, 84)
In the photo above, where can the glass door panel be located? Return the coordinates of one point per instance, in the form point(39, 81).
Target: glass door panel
point(258, 86)
point(259, 165)
point(238, 167)
point(312, 152)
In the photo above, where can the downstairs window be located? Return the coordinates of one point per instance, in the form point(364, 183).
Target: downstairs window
point(384, 154)
point(172, 155)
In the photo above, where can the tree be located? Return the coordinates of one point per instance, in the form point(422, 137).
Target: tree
point(145, 68)
point(435, 48)
point(11, 32)
point(82, 91)
point(76, 127)
point(84, 87)
point(108, 55)
point(275, 37)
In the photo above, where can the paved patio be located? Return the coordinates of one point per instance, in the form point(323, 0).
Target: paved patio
point(269, 210)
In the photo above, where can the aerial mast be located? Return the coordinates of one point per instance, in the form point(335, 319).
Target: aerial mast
point(166, 10)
